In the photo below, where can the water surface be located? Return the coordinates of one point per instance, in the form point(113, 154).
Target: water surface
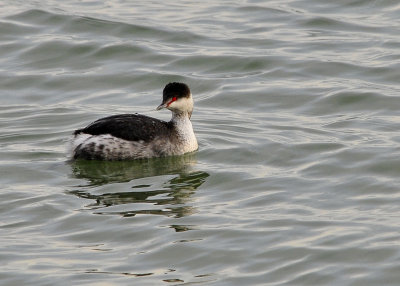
point(296, 112)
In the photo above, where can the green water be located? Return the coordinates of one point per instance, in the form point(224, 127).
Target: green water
point(296, 179)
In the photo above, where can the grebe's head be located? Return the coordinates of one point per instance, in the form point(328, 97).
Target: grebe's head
point(177, 98)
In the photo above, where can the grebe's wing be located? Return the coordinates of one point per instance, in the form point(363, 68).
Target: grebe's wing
point(132, 127)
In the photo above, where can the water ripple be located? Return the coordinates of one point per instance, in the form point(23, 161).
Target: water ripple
point(296, 113)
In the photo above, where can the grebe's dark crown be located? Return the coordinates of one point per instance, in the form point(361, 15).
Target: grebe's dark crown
point(176, 89)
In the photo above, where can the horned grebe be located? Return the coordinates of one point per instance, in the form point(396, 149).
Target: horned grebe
point(135, 136)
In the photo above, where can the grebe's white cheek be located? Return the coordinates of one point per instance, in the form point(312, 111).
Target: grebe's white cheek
point(182, 104)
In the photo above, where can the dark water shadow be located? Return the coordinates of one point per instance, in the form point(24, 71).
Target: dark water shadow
point(172, 198)
point(104, 172)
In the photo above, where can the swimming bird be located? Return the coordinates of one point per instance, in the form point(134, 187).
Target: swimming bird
point(135, 136)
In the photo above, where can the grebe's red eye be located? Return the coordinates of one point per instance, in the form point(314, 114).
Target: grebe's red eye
point(172, 100)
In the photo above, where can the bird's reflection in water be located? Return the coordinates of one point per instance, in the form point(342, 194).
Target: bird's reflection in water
point(172, 198)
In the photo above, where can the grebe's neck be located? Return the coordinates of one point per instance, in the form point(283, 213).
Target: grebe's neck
point(184, 131)
point(178, 117)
